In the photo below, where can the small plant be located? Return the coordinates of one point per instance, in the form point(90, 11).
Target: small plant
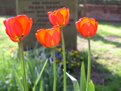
point(32, 74)
point(87, 28)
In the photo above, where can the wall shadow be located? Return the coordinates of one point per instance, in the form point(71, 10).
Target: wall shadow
point(104, 79)
point(106, 41)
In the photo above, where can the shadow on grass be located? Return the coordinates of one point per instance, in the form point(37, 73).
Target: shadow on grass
point(104, 79)
point(107, 41)
point(114, 24)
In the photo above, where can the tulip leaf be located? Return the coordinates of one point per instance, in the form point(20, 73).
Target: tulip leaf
point(40, 75)
point(19, 83)
point(74, 81)
point(41, 85)
point(82, 78)
point(91, 86)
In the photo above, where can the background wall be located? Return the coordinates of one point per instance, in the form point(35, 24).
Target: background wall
point(7, 7)
point(102, 11)
point(108, 2)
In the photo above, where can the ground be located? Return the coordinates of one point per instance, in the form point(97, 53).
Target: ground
point(106, 54)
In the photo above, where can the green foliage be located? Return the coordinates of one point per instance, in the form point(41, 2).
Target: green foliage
point(82, 78)
point(35, 66)
point(48, 79)
point(7, 76)
point(91, 86)
point(107, 61)
point(73, 58)
point(11, 79)
point(75, 82)
point(39, 77)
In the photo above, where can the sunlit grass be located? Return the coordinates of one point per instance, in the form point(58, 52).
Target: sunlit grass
point(106, 47)
point(6, 45)
point(106, 51)
point(108, 29)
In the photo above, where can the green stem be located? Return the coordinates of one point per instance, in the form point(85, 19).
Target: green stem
point(54, 70)
point(64, 60)
point(21, 53)
point(89, 66)
point(40, 75)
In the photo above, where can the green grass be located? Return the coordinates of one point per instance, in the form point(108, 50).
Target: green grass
point(7, 47)
point(106, 47)
point(106, 50)
point(108, 28)
point(7, 59)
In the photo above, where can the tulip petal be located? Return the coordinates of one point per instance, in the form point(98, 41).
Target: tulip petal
point(23, 20)
point(10, 28)
point(52, 18)
point(48, 38)
point(60, 18)
point(78, 26)
point(56, 37)
point(17, 28)
point(40, 35)
point(29, 26)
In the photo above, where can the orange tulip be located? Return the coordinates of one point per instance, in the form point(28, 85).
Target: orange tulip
point(87, 27)
point(59, 17)
point(18, 27)
point(49, 37)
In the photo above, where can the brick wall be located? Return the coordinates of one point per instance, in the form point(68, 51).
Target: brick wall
point(102, 12)
point(7, 7)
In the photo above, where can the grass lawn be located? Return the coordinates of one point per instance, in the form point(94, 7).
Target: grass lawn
point(6, 46)
point(106, 48)
point(106, 51)
point(7, 51)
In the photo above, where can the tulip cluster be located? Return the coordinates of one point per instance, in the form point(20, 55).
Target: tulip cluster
point(57, 18)
point(17, 28)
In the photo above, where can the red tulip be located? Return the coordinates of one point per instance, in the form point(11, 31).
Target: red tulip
point(49, 37)
point(87, 27)
point(59, 17)
point(18, 27)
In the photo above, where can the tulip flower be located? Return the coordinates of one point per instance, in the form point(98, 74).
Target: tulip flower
point(17, 28)
point(59, 17)
point(87, 27)
point(49, 37)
